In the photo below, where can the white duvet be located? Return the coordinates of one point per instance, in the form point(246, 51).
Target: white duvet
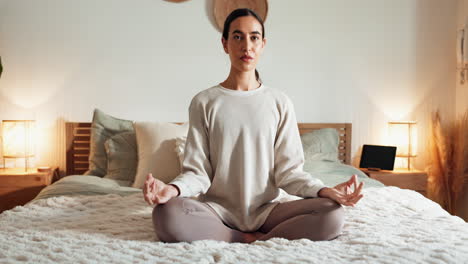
point(389, 225)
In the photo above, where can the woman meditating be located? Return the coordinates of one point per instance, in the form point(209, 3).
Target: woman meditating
point(243, 144)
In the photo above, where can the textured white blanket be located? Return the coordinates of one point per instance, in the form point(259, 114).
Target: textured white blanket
point(389, 225)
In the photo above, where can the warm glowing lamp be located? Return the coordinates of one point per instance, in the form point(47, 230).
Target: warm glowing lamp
point(18, 140)
point(403, 136)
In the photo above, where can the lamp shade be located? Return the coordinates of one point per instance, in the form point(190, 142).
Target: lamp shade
point(18, 138)
point(403, 136)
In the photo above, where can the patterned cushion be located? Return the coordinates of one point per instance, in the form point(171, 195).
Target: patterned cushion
point(103, 127)
point(122, 158)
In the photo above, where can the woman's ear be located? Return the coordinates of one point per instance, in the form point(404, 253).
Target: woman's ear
point(263, 45)
point(224, 45)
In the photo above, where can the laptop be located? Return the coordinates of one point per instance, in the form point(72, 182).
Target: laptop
point(376, 157)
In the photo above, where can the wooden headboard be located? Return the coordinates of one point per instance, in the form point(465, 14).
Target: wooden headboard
point(78, 138)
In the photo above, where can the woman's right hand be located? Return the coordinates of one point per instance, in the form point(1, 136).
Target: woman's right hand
point(157, 192)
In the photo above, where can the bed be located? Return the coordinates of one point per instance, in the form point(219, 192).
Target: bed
point(90, 219)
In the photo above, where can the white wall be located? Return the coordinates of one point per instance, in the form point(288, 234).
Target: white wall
point(363, 61)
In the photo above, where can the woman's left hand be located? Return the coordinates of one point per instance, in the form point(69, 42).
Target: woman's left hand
point(342, 192)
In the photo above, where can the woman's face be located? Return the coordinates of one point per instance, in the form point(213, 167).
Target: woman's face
point(245, 43)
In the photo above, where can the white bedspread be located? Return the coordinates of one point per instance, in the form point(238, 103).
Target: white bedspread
point(389, 225)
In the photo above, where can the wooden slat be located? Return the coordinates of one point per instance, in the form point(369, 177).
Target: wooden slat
point(76, 168)
point(82, 135)
point(81, 141)
point(81, 148)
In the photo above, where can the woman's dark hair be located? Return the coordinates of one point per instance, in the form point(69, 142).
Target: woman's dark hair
point(240, 13)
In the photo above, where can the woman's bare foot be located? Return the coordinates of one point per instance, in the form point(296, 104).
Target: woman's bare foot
point(251, 237)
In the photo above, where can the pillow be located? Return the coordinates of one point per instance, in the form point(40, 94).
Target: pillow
point(121, 150)
point(321, 144)
point(180, 148)
point(155, 144)
point(333, 173)
point(102, 128)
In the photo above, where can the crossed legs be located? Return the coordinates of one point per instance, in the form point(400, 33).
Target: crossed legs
point(185, 219)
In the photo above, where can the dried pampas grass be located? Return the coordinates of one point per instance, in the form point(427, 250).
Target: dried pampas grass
point(448, 170)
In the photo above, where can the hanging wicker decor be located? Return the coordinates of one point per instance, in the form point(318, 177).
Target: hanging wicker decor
point(222, 8)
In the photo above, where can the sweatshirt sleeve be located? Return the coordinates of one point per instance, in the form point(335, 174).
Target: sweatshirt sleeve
point(196, 172)
point(289, 157)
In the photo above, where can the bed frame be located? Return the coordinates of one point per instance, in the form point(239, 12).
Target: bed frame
point(78, 138)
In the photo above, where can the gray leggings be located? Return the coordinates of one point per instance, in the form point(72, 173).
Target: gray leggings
point(185, 219)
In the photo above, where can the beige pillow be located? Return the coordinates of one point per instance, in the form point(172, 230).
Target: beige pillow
point(156, 155)
point(180, 148)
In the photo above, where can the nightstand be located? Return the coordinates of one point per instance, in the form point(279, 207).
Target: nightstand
point(17, 187)
point(406, 179)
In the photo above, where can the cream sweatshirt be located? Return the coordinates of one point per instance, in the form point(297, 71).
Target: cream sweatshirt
point(242, 146)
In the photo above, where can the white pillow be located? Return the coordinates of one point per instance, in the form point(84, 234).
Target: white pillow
point(179, 149)
point(156, 143)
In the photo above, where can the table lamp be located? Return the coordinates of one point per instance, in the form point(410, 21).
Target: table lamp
point(18, 140)
point(403, 136)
